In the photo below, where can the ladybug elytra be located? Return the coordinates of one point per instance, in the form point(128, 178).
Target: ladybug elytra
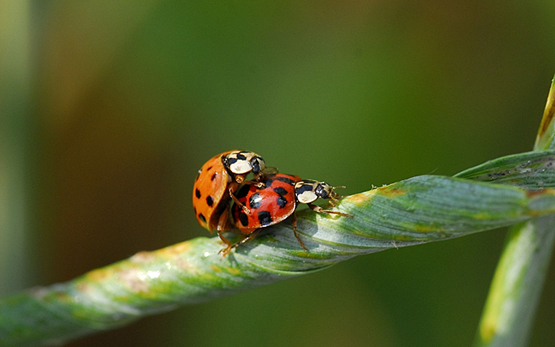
point(217, 181)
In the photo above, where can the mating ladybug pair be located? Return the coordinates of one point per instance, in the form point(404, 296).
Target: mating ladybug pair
point(220, 203)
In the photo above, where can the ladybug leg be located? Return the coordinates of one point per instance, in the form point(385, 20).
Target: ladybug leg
point(334, 196)
point(245, 209)
point(226, 241)
point(224, 221)
point(227, 250)
point(294, 224)
point(318, 209)
point(241, 179)
point(250, 236)
point(257, 184)
point(222, 225)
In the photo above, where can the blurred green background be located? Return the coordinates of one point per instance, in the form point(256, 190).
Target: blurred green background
point(108, 109)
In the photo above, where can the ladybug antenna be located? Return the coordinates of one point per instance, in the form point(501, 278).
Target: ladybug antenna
point(334, 195)
point(271, 170)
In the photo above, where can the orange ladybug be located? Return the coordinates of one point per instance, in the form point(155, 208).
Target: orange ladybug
point(217, 181)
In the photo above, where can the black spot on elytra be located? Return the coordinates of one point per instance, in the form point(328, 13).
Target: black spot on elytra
point(209, 168)
point(197, 193)
point(255, 200)
point(242, 192)
point(214, 176)
point(281, 201)
point(244, 219)
point(265, 218)
point(209, 201)
point(280, 191)
point(286, 180)
point(201, 216)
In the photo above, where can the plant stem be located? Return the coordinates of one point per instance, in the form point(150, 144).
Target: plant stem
point(517, 283)
point(15, 144)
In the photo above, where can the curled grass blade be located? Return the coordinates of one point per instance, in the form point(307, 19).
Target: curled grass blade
point(411, 212)
point(529, 170)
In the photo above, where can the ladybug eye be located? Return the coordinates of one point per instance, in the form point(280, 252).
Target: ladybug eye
point(323, 190)
point(258, 165)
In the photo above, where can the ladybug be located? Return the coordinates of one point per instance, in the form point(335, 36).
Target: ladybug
point(275, 202)
point(217, 181)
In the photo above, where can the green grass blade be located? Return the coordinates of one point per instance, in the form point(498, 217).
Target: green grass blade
point(16, 145)
point(529, 170)
point(546, 133)
point(411, 212)
point(516, 287)
point(517, 284)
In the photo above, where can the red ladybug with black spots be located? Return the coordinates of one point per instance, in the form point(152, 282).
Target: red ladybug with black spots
point(275, 202)
point(216, 183)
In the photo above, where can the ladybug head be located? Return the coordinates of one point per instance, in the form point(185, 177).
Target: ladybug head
point(308, 191)
point(323, 190)
point(258, 165)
